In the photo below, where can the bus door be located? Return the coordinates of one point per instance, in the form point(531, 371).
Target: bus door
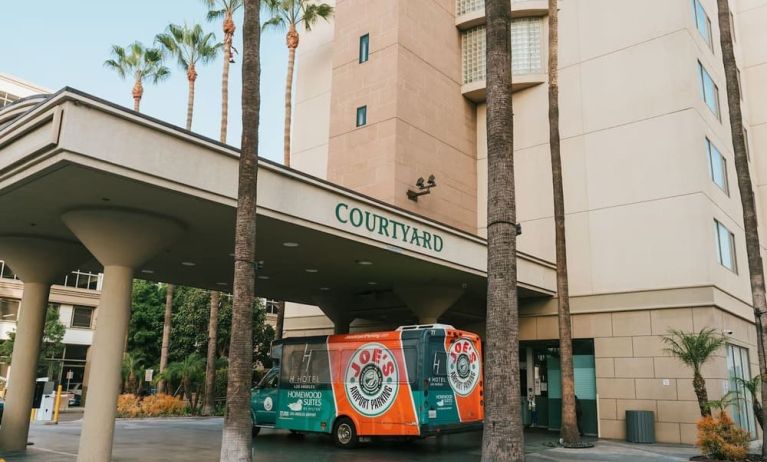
point(266, 398)
point(440, 406)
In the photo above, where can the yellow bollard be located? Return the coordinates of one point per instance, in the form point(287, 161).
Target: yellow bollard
point(56, 405)
point(33, 416)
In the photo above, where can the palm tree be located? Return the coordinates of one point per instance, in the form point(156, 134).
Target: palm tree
point(502, 438)
point(694, 349)
point(225, 9)
point(139, 63)
point(169, 289)
point(750, 226)
point(236, 440)
point(189, 374)
point(219, 9)
point(752, 387)
point(210, 365)
point(569, 429)
point(190, 46)
point(132, 369)
point(290, 14)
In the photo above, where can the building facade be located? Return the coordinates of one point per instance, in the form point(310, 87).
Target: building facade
point(392, 91)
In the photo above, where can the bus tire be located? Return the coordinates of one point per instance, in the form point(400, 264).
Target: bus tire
point(254, 430)
point(345, 434)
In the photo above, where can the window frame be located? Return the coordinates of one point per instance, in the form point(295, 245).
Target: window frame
point(710, 150)
point(709, 37)
point(718, 227)
point(74, 312)
point(364, 48)
point(703, 74)
point(362, 113)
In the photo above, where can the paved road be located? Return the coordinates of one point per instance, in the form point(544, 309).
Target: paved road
point(187, 439)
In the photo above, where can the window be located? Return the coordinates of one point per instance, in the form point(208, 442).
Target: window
point(82, 280)
point(710, 90)
point(718, 166)
point(526, 56)
point(739, 370)
point(272, 307)
point(473, 50)
point(740, 83)
point(364, 47)
point(82, 316)
point(9, 309)
point(732, 27)
point(6, 271)
point(362, 116)
point(745, 142)
point(725, 247)
point(7, 99)
point(703, 23)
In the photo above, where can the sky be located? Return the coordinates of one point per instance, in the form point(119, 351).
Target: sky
point(55, 43)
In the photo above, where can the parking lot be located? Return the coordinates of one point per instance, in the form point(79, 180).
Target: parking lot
point(199, 439)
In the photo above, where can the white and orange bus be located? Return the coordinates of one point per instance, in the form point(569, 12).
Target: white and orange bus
point(414, 382)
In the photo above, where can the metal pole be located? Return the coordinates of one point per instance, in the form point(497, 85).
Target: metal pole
point(56, 405)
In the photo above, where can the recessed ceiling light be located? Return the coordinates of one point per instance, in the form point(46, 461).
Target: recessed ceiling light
point(312, 270)
point(231, 254)
point(147, 271)
point(263, 277)
point(372, 283)
point(290, 244)
point(188, 263)
point(364, 262)
point(222, 284)
point(324, 288)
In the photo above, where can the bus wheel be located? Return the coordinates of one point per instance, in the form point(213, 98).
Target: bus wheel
point(254, 430)
point(344, 433)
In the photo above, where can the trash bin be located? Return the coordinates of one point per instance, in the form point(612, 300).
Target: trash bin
point(640, 426)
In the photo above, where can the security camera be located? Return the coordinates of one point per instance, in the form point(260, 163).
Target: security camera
point(727, 332)
point(420, 182)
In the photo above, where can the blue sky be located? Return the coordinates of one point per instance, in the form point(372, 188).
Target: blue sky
point(54, 43)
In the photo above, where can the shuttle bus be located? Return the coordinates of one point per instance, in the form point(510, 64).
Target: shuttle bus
point(414, 382)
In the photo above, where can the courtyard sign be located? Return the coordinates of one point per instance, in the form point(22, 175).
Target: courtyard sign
point(388, 227)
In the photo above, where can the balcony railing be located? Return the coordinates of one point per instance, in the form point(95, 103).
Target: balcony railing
point(79, 279)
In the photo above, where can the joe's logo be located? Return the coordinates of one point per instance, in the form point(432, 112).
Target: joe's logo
point(371, 379)
point(463, 367)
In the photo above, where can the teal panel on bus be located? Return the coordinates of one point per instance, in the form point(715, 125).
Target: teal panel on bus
point(306, 410)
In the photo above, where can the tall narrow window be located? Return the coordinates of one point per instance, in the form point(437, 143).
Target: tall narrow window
point(9, 309)
point(703, 23)
point(745, 142)
point(718, 167)
point(710, 90)
point(526, 48)
point(725, 247)
point(364, 48)
point(739, 370)
point(362, 115)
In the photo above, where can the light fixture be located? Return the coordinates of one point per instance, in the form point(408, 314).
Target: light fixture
point(364, 262)
point(222, 284)
point(324, 288)
point(312, 270)
point(424, 187)
point(372, 283)
point(263, 277)
point(188, 263)
point(290, 244)
point(231, 254)
point(147, 271)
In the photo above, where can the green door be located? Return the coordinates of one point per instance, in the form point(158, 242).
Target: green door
point(264, 401)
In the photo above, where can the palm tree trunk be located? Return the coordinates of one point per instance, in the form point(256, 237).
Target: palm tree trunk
point(280, 321)
point(210, 366)
point(757, 407)
point(161, 385)
point(237, 440)
point(750, 226)
point(699, 385)
point(191, 75)
point(225, 81)
point(138, 92)
point(569, 429)
point(502, 439)
point(292, 41)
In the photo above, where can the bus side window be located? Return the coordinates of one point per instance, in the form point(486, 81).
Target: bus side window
point(273, 382)
point(439, 363)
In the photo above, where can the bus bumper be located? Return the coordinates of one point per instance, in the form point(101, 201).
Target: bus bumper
point(434, 430)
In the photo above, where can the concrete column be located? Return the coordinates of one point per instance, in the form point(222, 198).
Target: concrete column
point(338, 310)
point(121, 240)
point(38, 262)
point(429, 302)
point(341, 325)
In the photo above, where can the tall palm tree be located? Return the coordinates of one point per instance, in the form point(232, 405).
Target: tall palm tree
point(502, 438)
point(191, 46)
point(750, 225)
point(133, 368)
point(139, 63)
point(189, 374)
point(694, 349)
point(569, 429)
point(290, 14)
point(210, 365)
point(236, 440)
point(165, 347)
point(219, 9)
point(225, 9)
